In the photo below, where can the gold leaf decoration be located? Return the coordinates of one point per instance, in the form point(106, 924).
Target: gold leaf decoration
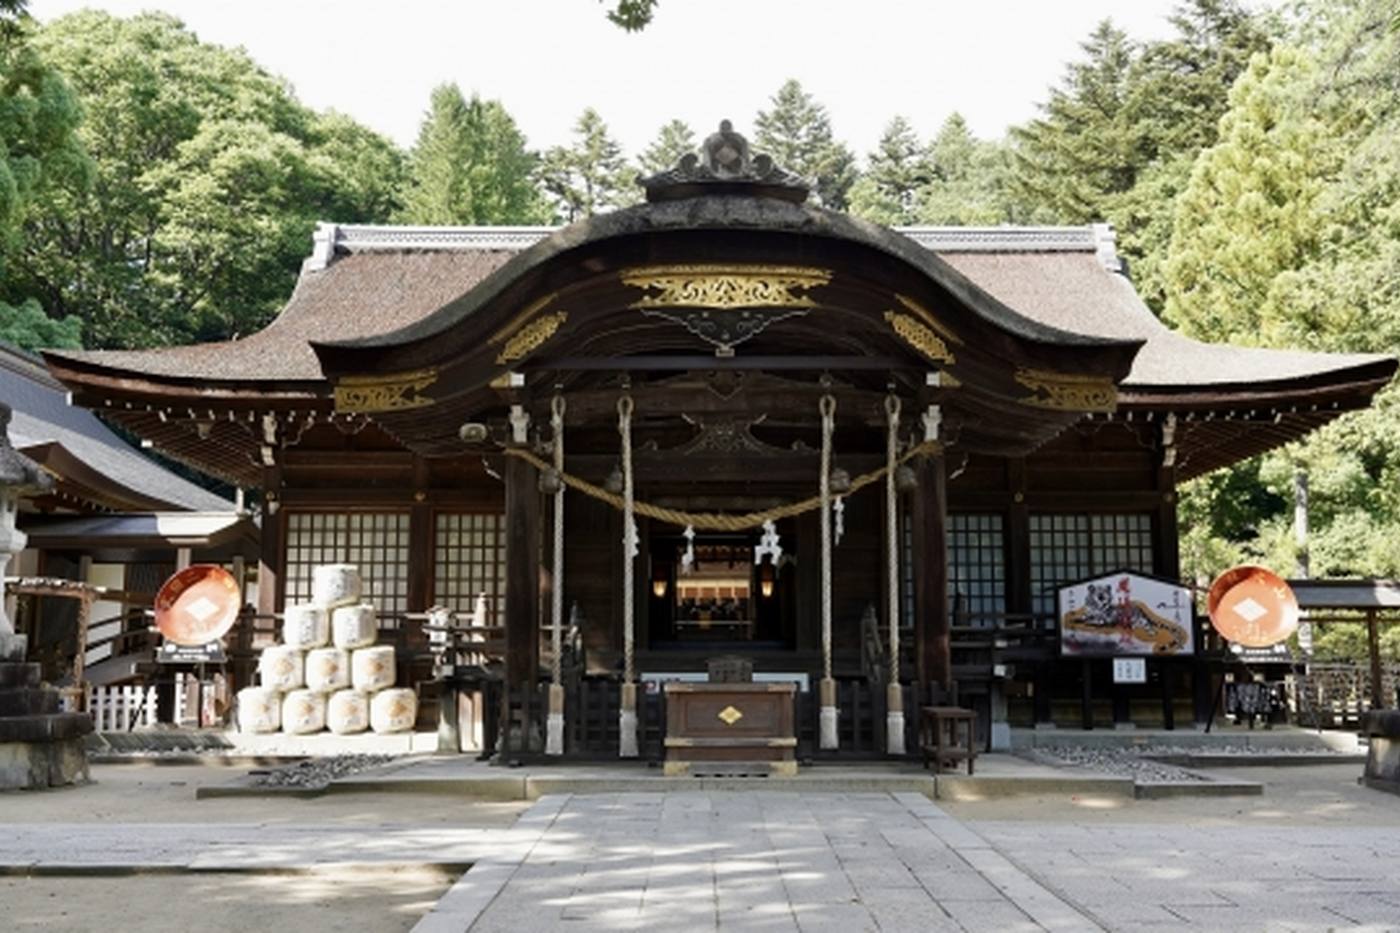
point(725, 286)
point(384, 393)
point(927, 316)
point(531, 337)
point(730, 715)
point(919, 336)
point(1068, 392)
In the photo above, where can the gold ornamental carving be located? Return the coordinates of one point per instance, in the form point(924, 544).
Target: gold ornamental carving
point(530, 337)
point(928, 318)
point(366, 394)
point(725, 287)
point(1066, 392)
point(919, 336)
point(730, 715)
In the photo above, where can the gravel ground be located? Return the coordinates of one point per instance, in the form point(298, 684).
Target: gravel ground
point(317, 772)
point(1121, 761)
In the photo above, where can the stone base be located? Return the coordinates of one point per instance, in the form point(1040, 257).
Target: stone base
point(33, 765)
point(13, 646)
point(1382, 727)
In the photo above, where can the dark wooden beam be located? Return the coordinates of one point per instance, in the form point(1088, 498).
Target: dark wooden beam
point(522, 572)
point(683, 363)
point(931, 629)
point(271, 550)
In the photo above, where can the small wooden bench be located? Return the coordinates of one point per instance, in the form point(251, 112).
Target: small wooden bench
point(946, 735)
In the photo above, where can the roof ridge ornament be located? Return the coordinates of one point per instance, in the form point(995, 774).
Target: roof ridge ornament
point(725, 165)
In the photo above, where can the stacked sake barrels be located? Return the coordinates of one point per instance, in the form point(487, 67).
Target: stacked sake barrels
point(328, 672)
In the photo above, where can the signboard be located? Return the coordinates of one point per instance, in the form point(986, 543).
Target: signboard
point(197, 605)
point(1274, 654)
point(171, 653)
point(1125, 614)
point(1253, 607)
point(1130, 670)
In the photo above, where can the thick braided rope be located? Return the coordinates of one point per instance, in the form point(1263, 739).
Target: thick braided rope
point(624, 427)
point(828, 410)
point(718, 521)
point(892, 406)
point(557, 633)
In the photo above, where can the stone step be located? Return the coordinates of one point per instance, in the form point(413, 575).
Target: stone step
point(15, 674)
point(28, 701)
point(44, 728)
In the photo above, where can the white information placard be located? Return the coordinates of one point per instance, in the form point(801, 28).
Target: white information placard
point(1130, 670)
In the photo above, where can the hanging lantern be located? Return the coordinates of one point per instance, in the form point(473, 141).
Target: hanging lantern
point(905, 479)
point(613, 483)
point(840, 482)
point(766, 574)
point(550, 481)
point(658, 579)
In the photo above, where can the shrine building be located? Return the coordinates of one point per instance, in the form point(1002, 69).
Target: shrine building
point(861, 459)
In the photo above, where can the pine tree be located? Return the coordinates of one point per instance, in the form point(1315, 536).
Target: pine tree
point(674, 140)
point(470, 166)
point(796, 132)
point(590, 176)
point(898, 168)
point(971, 180)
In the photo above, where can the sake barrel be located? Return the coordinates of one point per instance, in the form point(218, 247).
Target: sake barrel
point(259, 709)
point(335, 585)
point(393, 710)
point(305, 626)
point(347, 711)
point(327, 669)
point(281, 667)
point(372, 669)
point(353, 626)
point(303, 711)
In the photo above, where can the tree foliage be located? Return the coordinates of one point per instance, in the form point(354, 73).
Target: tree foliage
point(590, 176)
point(673, 141)
point(470, 166)
point(208, 179)
point(797, 133)
point(27, 326)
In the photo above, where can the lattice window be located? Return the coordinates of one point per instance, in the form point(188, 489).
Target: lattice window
point(976, 564)
point(1065, 548)
point(376, 542)
point(469, 559)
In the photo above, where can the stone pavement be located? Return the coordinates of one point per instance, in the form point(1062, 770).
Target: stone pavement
point(1159, 877)
point(750, 861)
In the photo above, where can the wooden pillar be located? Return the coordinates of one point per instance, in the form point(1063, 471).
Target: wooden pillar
point(522, 572)
point(271, 553)
point(1373, 645)
point(420, 542)
point(930, 518)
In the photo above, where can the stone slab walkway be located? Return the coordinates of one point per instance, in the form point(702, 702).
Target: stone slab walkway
point(754, 861)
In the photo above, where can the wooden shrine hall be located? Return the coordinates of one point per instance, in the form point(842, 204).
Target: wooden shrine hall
point(728, 423)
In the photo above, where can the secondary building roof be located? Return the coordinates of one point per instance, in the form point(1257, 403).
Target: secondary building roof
point(93, 466)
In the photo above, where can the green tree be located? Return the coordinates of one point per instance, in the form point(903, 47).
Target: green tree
point(632, 15)
point(971, 181)
point(26, 325)
point(208, 179)
point(591, 175)
point(896, 170)
point(673, 141)
point(470, 166)
point(796, 132)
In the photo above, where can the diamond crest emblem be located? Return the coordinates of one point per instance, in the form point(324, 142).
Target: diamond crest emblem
point(1250, 610)
point(730, 715)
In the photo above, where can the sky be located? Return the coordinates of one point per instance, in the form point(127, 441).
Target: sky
point(700, 60)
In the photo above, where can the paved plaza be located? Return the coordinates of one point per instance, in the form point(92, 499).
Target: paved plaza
point(1315, 853)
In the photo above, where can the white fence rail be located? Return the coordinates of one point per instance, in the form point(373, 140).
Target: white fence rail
point(120, 709)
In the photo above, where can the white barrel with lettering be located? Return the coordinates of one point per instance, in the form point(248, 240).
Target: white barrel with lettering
point(372, 669)
point(303, 711)
point(347, 712)
point(327, 669)
point(393, 710)
point(335, 585)
point(259, 709)
point(305, 626)
point(281, 667)
point(354, 626)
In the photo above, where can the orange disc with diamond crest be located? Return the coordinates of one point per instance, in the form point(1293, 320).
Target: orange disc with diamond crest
point(1252, 606)
point(197, 605)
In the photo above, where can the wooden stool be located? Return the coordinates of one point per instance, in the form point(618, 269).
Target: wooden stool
point(946, 734)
